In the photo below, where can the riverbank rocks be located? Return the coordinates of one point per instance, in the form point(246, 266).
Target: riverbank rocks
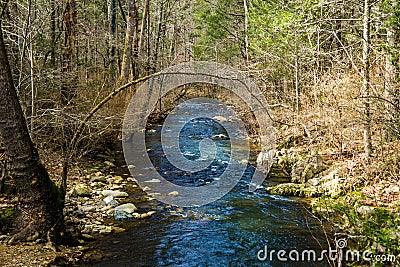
point(80, 190)
point(113, 193)
point(332, 184)
point(92, 204)
point(308, 168)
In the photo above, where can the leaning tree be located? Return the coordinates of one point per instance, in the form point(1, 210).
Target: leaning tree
point(40, 201)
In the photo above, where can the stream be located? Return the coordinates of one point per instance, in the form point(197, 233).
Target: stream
point(228, 232)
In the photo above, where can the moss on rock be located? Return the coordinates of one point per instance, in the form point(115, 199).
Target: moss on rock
point(292, 189)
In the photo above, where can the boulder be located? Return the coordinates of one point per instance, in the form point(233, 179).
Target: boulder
point(128, 207)
point(331, 184)
point(308, 168)
point(81, 190)
point(291, 189)
point(120, 215)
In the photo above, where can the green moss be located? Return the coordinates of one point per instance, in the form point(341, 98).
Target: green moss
point(376, 228)
point(58, 192)
point(290, 189)
point(7, 217)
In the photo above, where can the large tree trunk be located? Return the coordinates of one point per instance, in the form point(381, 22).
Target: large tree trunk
point(40, 202)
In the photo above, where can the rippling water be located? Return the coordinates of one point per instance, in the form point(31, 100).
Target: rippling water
point(227, 232)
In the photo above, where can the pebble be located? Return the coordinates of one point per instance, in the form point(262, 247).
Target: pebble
point(114, 193)
point(101, 179)
point(173, 194)
point(136, 215)
point(118, 179)
point(110, 212)
point(109, 163)
point(106, 208)
point(108, 199)
point(117, 186)
point(88, 208)
point(144, 215)
point(220, 118)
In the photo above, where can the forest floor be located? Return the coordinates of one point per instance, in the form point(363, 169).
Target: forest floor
point(86, 214)
point(32, 255)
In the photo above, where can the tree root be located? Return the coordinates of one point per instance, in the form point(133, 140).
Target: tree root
point(28, 234)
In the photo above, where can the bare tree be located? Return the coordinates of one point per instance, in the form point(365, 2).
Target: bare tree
point(366, 78)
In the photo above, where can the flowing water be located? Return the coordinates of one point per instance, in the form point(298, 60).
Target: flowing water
point(228, 232)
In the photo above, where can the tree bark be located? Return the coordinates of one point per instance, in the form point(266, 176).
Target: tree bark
point(143, 25)
point(112, 18)
point(40, 202)
point(246, 29)
point(53, 32)
point(391, 91)
point(160, 32)
point(69, 85)
point(130, 41)
point(366, 78)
